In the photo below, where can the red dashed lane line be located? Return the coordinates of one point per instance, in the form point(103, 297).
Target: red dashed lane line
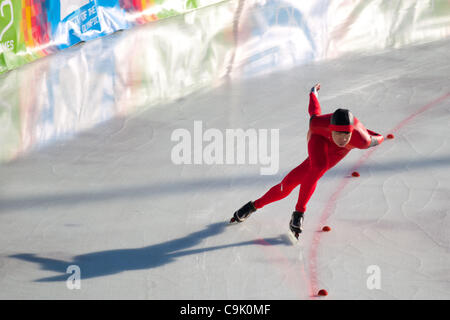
point(331, 203)
point(421, 110)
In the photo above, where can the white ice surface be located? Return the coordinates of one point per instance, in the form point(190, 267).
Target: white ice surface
point(112, 202)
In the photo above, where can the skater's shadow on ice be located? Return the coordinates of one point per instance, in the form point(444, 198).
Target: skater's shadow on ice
point(103, 263)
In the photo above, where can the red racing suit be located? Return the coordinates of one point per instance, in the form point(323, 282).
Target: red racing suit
point(323, 155)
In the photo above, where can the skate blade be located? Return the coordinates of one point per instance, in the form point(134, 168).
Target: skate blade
point(294, 237)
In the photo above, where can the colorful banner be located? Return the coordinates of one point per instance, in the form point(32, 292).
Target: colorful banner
point(30, 29)
point(11, 39)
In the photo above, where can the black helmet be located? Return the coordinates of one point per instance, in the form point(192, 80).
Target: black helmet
point(342, 120)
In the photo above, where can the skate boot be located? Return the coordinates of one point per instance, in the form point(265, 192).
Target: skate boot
point(296, 223)
point(243, 213)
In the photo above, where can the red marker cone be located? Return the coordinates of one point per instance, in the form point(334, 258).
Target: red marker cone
point(326, 229)
point(323, 292)
point(355, 174)
point(390, 136)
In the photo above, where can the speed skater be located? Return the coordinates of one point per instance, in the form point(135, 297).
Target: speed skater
point(330, 138)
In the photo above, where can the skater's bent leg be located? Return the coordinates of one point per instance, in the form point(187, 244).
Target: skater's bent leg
point(284, 188)
point(308, 187)
point(318, 165)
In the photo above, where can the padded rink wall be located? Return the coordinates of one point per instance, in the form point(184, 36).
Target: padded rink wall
point(197, 44)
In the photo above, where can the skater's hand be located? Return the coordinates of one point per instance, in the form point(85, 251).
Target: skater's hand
point(316, 88)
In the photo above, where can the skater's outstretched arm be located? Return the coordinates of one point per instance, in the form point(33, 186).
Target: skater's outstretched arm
point(365, 138)
point(314, 106)
point(375, 138)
